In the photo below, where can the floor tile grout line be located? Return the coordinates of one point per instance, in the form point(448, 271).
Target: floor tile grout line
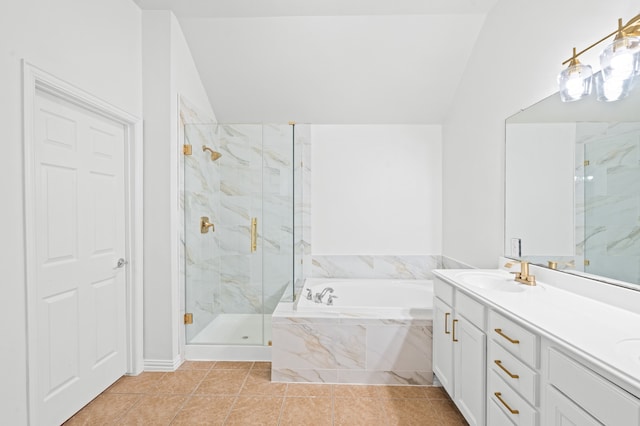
point(191, 394)
point(282, 405)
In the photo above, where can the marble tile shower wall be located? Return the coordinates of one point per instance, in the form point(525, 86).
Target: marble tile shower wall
point(256, 181)
point(608, 199)
point(278, 214)
point(382, 266)
point(200, 261)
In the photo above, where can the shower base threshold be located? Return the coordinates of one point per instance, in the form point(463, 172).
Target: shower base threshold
point(232, 337)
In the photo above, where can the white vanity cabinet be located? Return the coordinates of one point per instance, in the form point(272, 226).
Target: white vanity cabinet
point(459, 349)
point(576, 394)
point(541, 356)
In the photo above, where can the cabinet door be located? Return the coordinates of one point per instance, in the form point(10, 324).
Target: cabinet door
point(561, 411)
point(442, 344)
point(469, 352)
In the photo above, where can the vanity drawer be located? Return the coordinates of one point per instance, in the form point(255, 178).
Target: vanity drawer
point(506, 366)
point(443, 291)
point(596, 395)
point(470, 309)
point(509, 402)
point(495, 416)
point(519, 341)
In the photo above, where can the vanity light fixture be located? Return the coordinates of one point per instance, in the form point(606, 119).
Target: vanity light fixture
point(619, 61)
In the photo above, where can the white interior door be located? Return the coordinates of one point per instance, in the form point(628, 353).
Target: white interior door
point(79, 198)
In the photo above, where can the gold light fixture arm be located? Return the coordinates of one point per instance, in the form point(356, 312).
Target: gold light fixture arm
point(631, 28)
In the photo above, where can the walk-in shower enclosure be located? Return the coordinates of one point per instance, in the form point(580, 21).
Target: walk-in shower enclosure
point(237, 270)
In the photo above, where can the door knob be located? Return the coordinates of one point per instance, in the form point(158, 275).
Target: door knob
point(121, 263)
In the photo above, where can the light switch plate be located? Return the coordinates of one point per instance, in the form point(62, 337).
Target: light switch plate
point(515, 247)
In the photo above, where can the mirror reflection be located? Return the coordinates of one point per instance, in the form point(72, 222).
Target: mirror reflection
point(572, 187)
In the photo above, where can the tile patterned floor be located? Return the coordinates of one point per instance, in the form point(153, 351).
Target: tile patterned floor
point(241, 393)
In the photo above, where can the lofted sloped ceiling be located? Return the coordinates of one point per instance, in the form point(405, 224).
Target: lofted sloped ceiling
point(329, 61)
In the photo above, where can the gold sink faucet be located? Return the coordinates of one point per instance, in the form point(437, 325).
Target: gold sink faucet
point(523, 276)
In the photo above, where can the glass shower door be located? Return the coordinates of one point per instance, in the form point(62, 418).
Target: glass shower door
point(240, 304)
point(241, 178)
point(223, 269)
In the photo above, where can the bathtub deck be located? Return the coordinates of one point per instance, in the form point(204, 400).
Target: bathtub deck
point(355, 348)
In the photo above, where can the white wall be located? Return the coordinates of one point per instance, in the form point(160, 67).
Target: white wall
point(376, 189)
point(539, 190)
point(95, 45)
point(168, 71)
point(514, 64)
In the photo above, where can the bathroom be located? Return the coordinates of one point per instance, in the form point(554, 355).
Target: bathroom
point(511, 62)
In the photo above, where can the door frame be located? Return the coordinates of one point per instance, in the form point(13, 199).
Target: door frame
point(34, 80)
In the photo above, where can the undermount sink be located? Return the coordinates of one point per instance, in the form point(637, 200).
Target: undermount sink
point(629, 348)
point(490, 280)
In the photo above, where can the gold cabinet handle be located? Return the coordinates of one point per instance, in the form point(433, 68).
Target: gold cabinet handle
point(502, 367)
point(446, 323)
point(454, 330)
point(254, 234)
point(499, 331)
point(511, 410)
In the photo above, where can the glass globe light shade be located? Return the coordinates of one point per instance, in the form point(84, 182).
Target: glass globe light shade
point(621, 59)
point(611, 89)
point(575, 82)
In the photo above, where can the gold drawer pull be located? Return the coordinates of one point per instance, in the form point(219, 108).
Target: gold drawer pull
point(446, 323)
point(499, 331)
point(511, 410)
point(499, 364)
point(454, 331)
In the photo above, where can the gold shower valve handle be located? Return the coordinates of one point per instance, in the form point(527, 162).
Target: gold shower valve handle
point(205, 225)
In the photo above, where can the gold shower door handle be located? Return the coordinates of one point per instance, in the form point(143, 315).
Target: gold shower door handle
point(254, 234)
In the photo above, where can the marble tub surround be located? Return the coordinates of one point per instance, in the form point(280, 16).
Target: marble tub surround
point(375, 266)
point(318, 347)
point(451, 263)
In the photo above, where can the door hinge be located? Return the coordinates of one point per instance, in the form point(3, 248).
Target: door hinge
point(188, 318)
point(186, 149)
point(586, 162)
point(586, 262)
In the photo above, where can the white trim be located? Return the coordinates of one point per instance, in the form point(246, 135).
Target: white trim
point(195, 352)
point(35, 79)
point(163, 364)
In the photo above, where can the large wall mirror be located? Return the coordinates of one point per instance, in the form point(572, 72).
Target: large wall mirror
point(572, 192)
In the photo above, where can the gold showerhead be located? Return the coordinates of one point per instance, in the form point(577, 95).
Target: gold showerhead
point(214, 154)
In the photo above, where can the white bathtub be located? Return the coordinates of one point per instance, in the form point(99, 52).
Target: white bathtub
point(380, 297)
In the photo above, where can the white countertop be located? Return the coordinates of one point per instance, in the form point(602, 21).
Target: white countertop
point(588, 326)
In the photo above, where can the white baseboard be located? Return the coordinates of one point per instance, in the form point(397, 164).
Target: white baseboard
point(163, 364)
